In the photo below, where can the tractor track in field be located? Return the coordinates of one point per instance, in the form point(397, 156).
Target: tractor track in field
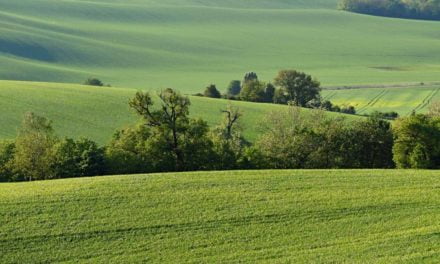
point(373, 101)
point(426, 101)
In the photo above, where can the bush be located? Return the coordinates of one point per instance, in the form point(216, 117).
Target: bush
point(93, 82)
point(212, 92)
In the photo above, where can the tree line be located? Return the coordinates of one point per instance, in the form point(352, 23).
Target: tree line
point(166, 139)
point(414, 9)
point(289, 87)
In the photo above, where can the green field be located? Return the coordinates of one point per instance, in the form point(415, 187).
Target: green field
point(97, 112)
point(257, 216)
point(188, 44)
point(401, 100)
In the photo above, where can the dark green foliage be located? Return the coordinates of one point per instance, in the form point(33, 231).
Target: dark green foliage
point(212, 92)
point(249, 77)
point(417, 142)
point(294, 140)
point(174, 136)
point(416, 9)
point(269, 93)
point(299, 87)
point(234, 88)
point(77, 158)
point(385, 115)
point(348, 110)
point(94, 82)
point(7, 149)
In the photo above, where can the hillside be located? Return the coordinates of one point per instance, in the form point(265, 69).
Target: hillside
point(187, 44)
point(266, 216)
point(97, 112)
point(402, 100)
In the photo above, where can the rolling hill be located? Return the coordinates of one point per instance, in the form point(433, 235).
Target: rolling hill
point(187, 44)
point(368, 216)
point(97, 112)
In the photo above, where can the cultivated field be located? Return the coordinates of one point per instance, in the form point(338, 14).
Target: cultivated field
point(269, 216)
point(97, 112)
point(402, 100)
point(188, 44)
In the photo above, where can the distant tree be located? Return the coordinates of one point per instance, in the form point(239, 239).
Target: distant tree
point(269, 93)
point(253, 91)
point(32, 158)
point(250, 77)
point(299, 87)
point(212, 92)
point(351, 110)
point(234, 88)
point(94, 82)
point(417, 142)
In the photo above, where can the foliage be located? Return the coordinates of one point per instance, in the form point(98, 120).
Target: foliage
point(77, 158)
point(299, 87)
point(234, 88)
point(292, 140)
point(32, 156)
point(94, 82)
point(174, 136)
point(253, 91)
point(7, 149)
point(417, 142)
point(212, 92)
point(416, 9)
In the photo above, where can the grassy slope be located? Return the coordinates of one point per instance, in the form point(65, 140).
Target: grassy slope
point(401, 100)
point(266, 216)
point(96, 112)
point(188, 44)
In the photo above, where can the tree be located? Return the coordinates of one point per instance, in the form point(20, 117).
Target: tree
point(234, 88)
point(94, 82)
point(212, 92)
point(228, 144)
point(32, 159)
point(269, 93)
point(174, 136)
point(77, 158)
point(299, 87)
point(250, 77)
point(417, 142)
point(7, 151)
point(253, 91)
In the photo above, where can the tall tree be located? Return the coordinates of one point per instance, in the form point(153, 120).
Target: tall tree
point(33, 146)
point(299, 87)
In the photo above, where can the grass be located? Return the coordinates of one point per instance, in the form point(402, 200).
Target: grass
point(97, 112)
point(188, 44)
point(401, 100)
point(364, 216)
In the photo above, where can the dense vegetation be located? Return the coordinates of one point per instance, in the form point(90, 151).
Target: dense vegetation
point(361, 216)
point(168, 139)
point(290, 87)
point(417, 9)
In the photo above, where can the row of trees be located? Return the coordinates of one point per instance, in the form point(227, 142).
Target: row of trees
point(416, 9)
point(167, 139)
point(289, 87)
